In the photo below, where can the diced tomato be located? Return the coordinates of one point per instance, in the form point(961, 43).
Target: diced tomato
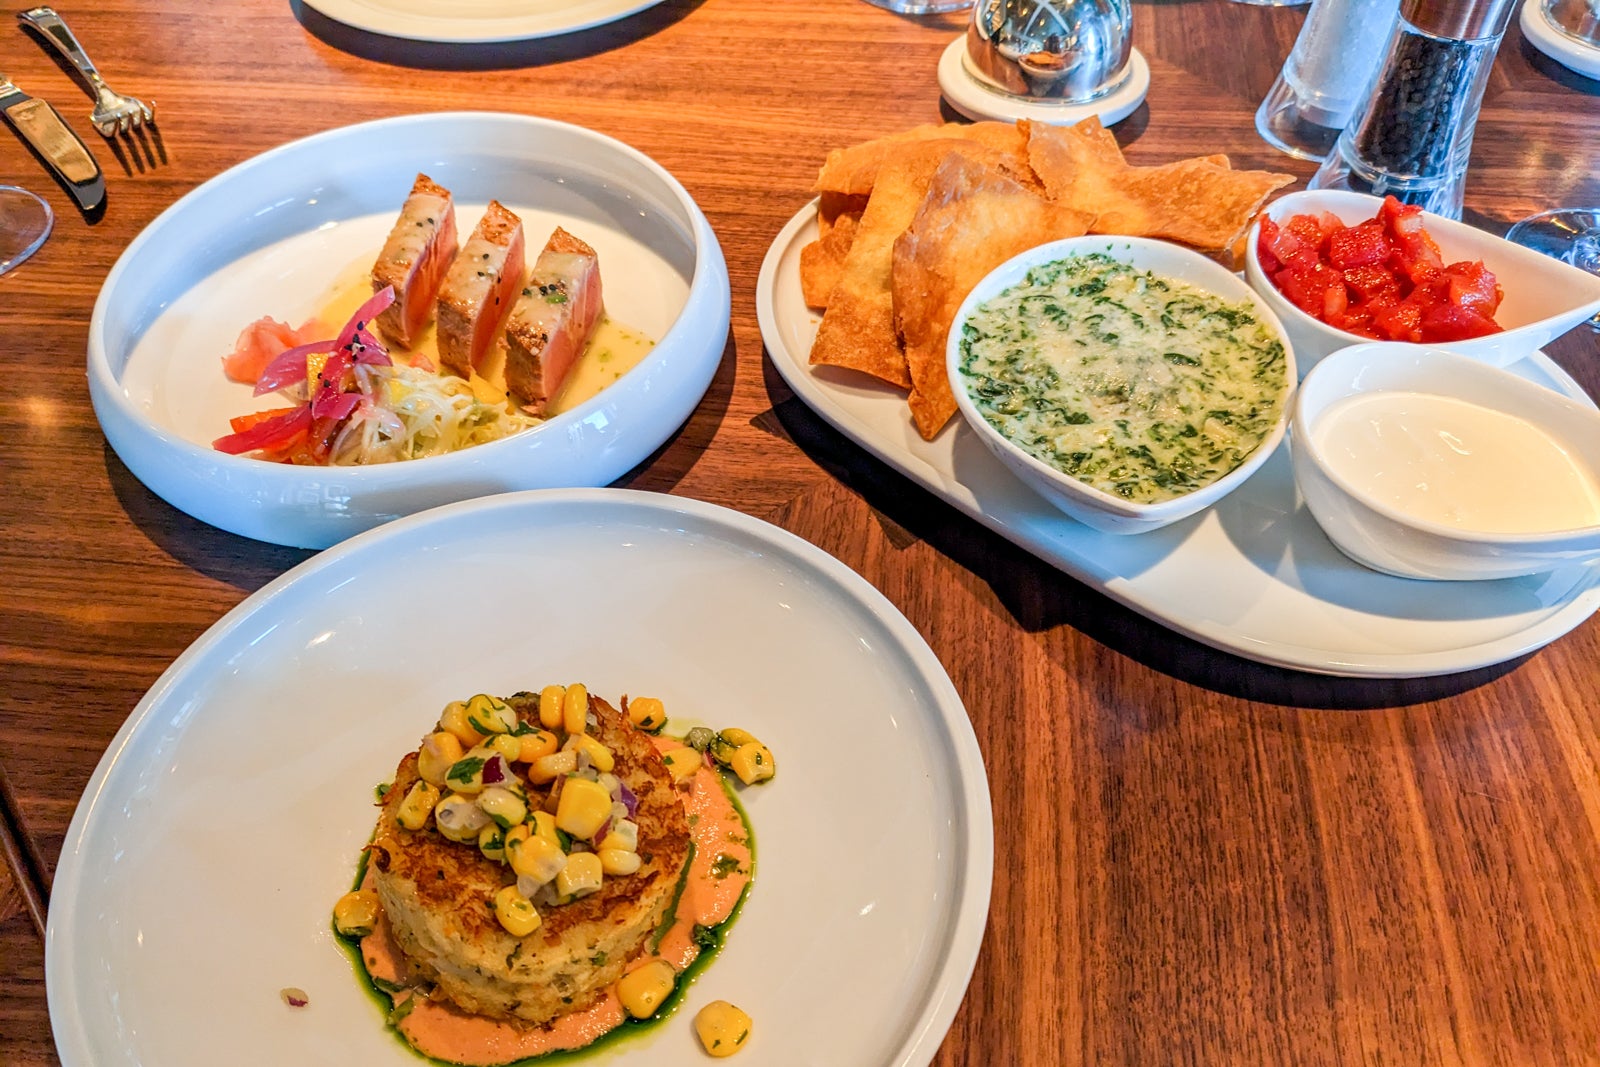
point(1447, 322)
point(1383, 278)
point(1402, 322)
point(1472, 286)
point(1359, 246)
point(1307, 286)
point(1269, 235)
point(1373, 284)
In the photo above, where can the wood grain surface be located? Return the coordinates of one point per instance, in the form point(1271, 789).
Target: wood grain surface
point(1199, 860)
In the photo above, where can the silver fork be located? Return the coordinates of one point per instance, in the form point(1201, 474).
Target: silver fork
point(113, 112)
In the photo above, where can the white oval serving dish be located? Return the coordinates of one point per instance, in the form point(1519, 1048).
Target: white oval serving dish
point(1544, 298)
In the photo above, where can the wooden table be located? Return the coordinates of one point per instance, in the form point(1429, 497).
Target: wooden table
point(1203, 860)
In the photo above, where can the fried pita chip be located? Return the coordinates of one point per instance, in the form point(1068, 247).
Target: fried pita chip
point(857, 330)
point(1201, 202)
point(852, 171)
point(832, 206)
point(971, 220)
point(822, 261)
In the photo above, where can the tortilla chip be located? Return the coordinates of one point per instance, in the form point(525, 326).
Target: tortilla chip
point(831, 206)
point(971, 220)
point(852, 171)
point(1201, 202)
point(822, 261)
point(858, 330)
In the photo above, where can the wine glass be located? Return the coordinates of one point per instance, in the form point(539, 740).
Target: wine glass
point(25, 222)
point(1570, 234)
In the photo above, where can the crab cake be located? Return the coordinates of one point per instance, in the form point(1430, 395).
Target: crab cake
point(438, 894)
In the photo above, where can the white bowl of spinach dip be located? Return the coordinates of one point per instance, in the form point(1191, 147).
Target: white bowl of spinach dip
point(1131, 382)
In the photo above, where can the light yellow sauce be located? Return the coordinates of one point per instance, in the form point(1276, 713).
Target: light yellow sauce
point(612, 351)
point(1447, 461)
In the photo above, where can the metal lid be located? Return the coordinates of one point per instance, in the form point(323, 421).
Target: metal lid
point(1068, 50)
point(1459, 20)
point(1579, 19)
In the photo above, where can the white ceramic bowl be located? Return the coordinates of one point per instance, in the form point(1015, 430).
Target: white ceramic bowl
point(1544, 298)
point(1374, 533)
point(1088, 505)
point(270, 236)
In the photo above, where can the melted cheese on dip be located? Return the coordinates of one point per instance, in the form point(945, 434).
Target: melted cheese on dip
point(1143, 387)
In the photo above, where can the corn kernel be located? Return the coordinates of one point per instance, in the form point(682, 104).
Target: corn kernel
point(722, 1028)
point(624, 835)
point(643, 990)
point(737, 737)
point(454, 720)
point(600, 757)
point(417, 806)
point(534, 856)
point(549, 768)
point(437, 755)
point(502, 805)
point(616, 861)
point(544, 825)
point(583, 808)
point(550, 698)
point(490, 715)
point(515, 912)
point(582, 875)
point(535, 744)
point(459, 819)
point(575, 709)
point(753, 763)
point(647, 713)
point(508, 746)
point(492, 843)
point(355, 914)
point(466, 774)
point(682, 763)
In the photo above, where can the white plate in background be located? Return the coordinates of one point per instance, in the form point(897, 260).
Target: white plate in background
point(1253, 575)
point(477, 21)
point(226, 817)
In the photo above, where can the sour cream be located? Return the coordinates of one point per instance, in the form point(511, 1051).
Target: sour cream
point(1447, 461)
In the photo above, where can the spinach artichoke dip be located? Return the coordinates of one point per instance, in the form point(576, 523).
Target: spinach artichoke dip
point(1141, 386)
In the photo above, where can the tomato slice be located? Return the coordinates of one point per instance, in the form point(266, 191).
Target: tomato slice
point(1447, 322)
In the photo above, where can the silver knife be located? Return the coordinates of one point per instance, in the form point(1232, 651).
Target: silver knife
point(48, 135)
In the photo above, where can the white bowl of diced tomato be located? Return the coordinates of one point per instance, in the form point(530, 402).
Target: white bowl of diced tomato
point(1341, 268)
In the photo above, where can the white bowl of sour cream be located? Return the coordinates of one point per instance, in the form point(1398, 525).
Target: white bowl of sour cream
point(1425, 463)
point(1128, 381)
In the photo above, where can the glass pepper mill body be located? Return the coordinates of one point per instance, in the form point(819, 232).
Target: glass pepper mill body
point(1413, 137)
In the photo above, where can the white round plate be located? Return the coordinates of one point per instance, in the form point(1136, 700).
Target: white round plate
point(975, 99)
point(226, 817)
point(274, 234)
point(1253, 575)
point(1548, 38)
point(477, 21)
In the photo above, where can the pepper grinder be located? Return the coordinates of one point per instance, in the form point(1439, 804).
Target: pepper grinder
point(1413, 138)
